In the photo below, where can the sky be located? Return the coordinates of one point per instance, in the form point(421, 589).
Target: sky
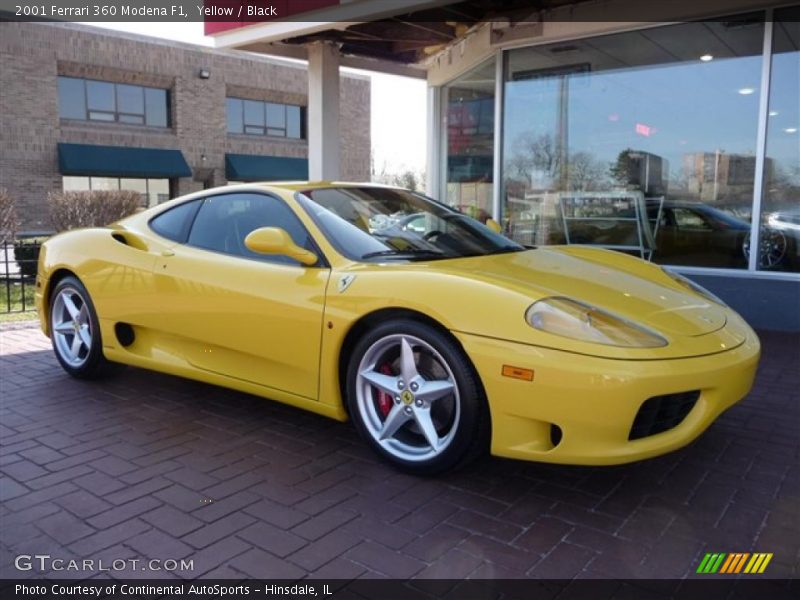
point(398, 103)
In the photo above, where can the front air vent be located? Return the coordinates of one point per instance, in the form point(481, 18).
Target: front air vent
point(125, 334)
point(662, 413)
point(555, 434)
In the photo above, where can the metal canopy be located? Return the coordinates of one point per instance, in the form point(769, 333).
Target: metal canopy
point(411, 37)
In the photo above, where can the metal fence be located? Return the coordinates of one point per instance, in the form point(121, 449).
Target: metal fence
point(18, 262)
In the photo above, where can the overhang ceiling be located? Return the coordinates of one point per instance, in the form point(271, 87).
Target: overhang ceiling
point(410, 38)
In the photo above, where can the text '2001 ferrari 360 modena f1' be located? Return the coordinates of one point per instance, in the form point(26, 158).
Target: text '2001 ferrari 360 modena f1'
point(438, 337)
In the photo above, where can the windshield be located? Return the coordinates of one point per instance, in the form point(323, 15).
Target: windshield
point(371, 223)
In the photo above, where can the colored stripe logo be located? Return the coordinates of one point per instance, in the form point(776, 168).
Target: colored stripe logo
point(734, 562)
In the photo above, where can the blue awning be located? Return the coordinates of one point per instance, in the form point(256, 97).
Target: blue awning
point(120, 161)
point(250, 167)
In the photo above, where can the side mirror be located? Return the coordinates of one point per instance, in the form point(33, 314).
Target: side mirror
point(274, 240)
point(494, 225)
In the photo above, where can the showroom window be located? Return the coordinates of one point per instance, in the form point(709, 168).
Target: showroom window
point(91, 100)
point(779, 248)
point(152, 191)
point(254, 117)
point(470, 141)
point(643, 141)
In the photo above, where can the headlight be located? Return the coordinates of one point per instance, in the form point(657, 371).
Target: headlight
point(695, 287)
point(573, 319)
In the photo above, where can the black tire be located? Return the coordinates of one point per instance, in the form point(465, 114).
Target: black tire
point(86, 363)
point(468, 433)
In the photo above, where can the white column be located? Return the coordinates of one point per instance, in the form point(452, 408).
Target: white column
point(497, 166)
point(323, 111)
point(433, 173)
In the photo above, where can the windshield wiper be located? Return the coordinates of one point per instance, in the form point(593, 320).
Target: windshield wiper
point(414, 252)
point(507, 248)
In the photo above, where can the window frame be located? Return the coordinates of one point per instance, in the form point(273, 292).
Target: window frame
point(322, 261)
point(148, 191)
point(263, 128)
point(116, 113)
point(187, 227)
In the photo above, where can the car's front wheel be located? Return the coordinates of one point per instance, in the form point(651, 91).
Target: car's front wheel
point(416, 399)
point(75, 331)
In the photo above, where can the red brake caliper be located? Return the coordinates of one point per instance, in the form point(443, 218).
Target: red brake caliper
point(384, 399)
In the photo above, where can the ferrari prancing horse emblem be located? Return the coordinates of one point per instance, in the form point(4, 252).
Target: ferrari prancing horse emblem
point(407, 397)
point(344, 282)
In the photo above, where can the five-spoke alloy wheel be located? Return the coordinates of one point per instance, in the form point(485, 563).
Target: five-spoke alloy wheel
point(75, 331)
point(415, 397)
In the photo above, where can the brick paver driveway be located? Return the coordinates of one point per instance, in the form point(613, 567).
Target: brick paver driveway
point(146, 465)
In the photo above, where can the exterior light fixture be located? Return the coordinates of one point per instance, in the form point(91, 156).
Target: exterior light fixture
point(707, 57)
point(204, 73)
point(791, 130)
point(746, 91)
point(773, 113)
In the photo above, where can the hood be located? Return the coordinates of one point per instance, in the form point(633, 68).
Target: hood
point(615, 282)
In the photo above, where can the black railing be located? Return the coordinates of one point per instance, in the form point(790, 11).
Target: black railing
point(18, 262)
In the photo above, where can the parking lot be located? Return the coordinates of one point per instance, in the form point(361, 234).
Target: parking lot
point(151, 466)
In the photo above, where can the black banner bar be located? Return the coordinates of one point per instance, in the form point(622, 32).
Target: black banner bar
point(738, 588)
point(224, 15)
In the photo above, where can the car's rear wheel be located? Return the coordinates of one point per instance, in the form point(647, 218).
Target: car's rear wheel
point(772, 248)
point(416, 399)
point(75, 331)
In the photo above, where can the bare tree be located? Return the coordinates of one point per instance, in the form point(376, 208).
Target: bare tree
point(585, 172)
point(535, 158)
point(406, 178)
point(9, 220)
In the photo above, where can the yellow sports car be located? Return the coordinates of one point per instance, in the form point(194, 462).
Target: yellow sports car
point(440, 338)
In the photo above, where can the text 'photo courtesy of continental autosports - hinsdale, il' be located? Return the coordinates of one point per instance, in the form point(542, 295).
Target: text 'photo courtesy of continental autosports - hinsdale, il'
point(439, 338)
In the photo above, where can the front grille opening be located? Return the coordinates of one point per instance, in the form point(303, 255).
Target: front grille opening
point(662, 413)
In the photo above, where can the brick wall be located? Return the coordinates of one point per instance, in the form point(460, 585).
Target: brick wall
point(33, 55)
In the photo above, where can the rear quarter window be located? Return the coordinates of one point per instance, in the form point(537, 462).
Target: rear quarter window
point(175, 223)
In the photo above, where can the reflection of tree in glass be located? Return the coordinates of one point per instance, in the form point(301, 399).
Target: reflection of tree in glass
point(783, 185)
point(536, 162)
point(585, 172)
point(622, 171)
point(535, 158)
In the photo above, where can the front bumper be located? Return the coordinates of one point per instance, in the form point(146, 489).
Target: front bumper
point(39, 302)
point(594, 401)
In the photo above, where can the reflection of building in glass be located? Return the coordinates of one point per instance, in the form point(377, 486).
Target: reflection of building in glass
point(720, 177)
point(646, 172)
point(594, 108)
point(470, 140)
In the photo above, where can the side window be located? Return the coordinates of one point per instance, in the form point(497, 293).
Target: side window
point(174, 224)
point(224, 221)
point(687, 219)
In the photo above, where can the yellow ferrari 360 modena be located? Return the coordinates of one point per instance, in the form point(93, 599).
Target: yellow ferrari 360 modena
point(439, 337)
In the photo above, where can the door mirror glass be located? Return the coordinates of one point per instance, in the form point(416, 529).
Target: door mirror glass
point(274, 240)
